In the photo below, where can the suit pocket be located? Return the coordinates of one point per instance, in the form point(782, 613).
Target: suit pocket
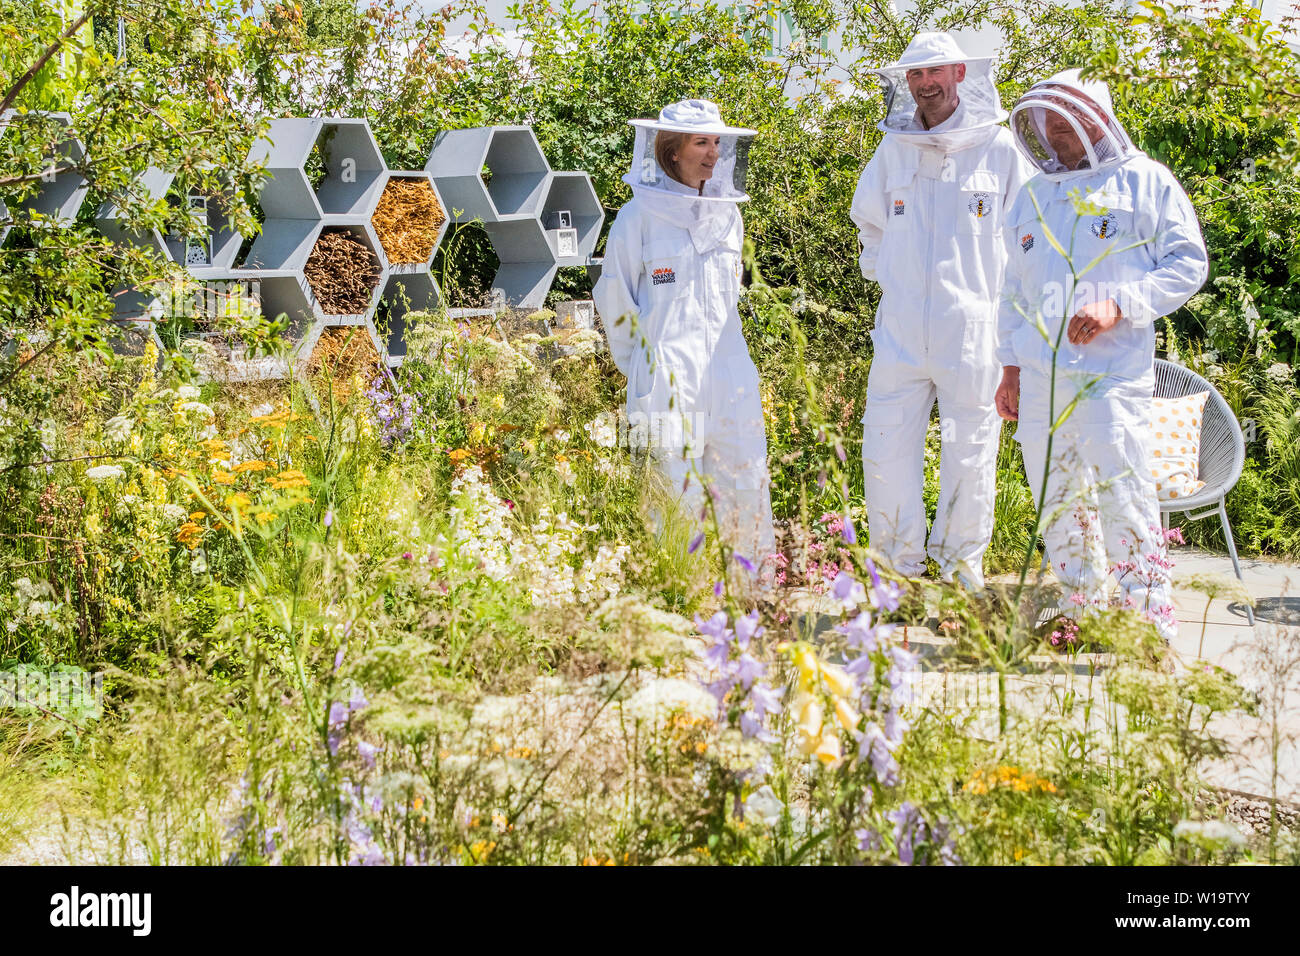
point(979, 210)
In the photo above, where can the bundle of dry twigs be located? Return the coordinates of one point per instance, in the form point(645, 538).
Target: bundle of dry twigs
point(342, 271)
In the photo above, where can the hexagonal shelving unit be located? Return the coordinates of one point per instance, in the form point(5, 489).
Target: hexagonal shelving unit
point(345, 348)
point(527, 264)
point(150, 185)
point(287, 193)
point(571, 198)
point(492, 173)
point(60, 197)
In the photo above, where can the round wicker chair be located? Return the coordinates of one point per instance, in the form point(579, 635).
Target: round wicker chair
point(1223, 454)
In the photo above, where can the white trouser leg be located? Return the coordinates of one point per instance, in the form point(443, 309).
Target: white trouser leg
point(963, 521)
point(1103, 518)
point(735, 460)
point(893, 456)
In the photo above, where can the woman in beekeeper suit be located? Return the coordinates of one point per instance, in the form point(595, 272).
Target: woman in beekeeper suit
point(1088, 347)
point(667, 296)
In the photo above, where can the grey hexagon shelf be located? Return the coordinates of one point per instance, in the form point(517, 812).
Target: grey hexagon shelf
point(527, 266)
point(519, 173)
point(221, 247)
point(571, 198)
point(285, 150)
point(405, 292)
point(354, 168)
point(59, 199)
point(153, 184)
point(135, 314)
point(305, 355)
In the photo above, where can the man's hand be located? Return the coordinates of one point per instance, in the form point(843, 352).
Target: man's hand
point(1092, 320)
point(1008, 395)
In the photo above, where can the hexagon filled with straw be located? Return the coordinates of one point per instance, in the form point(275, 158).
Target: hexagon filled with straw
point(407, 220)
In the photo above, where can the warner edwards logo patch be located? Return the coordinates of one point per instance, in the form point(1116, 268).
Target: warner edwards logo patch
point(1027, 241)
point(663, 276)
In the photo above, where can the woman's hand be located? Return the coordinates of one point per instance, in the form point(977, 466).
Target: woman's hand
point(1007, 398)
point(1092, 320)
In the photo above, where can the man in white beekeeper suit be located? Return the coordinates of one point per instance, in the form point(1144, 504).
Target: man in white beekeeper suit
point(1138, 247)
point(667, 296)
point(930, 208)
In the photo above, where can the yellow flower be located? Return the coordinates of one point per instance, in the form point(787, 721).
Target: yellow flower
point(189, 534)
point(265, 517)
point(222, 477)
point(828, 749)
point(476, 433)
point(198, 515)
point(498, 402)
point(808, 723)
point(289, 479)
point(839, 682)
point(846, 715)
point(254, 465)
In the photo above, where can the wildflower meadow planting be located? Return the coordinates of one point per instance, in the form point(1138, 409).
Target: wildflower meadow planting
point(372, 569)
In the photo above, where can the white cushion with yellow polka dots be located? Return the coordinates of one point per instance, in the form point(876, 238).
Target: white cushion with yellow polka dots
point(1176, 445)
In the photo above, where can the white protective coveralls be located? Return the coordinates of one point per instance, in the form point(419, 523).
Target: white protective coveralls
point(667, 297)
point(1101, 510)
point(929, 208)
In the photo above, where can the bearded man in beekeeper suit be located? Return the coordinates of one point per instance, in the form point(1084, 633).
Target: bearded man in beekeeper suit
point(929, 210)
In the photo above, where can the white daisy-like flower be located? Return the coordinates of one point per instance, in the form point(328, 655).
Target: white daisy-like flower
point(118, 428)
point(102, 473)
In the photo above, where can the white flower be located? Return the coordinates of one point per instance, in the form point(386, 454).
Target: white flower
point(1209, 831)
point(174, 513)
point(257, 411)
point(668, 695)
point(197, 409)
point(764, 804)
point(118, 428)
point(199, 563)
point(561, 436)
point(105, 472)
point(566, 473)
point(1279, 373)
point(603, 430)
point(187, 393)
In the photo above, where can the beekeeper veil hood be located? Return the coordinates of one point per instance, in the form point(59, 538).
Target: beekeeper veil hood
point(694, 118)
point(1067, 127)
point(978, 106)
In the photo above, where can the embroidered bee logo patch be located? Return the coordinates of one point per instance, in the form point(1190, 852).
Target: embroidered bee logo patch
point(663, 276)
point(1027, 241)
point(898, 207)
point(981, 205)
point(1105, 227)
